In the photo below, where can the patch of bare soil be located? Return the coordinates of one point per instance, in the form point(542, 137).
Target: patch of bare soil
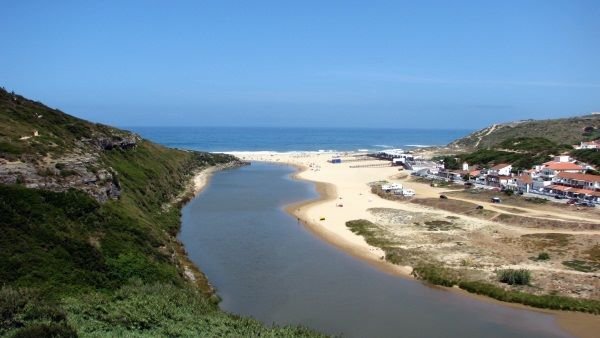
point(477, 249)
point(475, 210)
point(535, 204)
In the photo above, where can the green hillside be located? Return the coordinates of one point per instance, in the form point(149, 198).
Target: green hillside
point(562, 131)
point(521, 152)
point(89, 215)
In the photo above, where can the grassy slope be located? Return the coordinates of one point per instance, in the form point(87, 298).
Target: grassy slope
point(69, 265)
point(58, 131)
point(590, 156)
point(567, 130)
point(521, 152)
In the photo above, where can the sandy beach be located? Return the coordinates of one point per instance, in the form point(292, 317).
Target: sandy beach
point(345, 195)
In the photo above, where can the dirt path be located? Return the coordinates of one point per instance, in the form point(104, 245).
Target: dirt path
point(491, 130)
point(527, 212)
point(425, 191)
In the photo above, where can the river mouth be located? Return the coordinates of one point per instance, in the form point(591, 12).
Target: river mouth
point(266, 265)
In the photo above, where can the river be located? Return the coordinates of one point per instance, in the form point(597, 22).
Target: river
point(266, 265)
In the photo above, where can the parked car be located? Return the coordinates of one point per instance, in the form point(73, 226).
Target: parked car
point(468, 184)
point(586, 204)
point(496, 200)
point(559, 197)
point(572, 201)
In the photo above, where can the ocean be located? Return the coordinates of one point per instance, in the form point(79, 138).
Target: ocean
point(229, 139)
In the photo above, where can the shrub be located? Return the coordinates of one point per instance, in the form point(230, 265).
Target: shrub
point(543, 256)
point(542, 301)
point(46, 330)
point(435, 274)
point(514, 277)
point(24, 309)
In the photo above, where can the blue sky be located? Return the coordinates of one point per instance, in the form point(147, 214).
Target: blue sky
point(423, 64)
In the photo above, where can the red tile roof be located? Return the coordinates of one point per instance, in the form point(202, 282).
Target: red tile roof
point(586, 192)
point(563, 166)
point(525, 179)
point(500, 166)
point(475, 172)
point(559, 187)
point(580, 177)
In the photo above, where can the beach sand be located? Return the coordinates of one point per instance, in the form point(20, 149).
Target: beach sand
point(345, 195)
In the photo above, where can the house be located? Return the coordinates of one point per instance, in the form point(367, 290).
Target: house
point(502, 169)
point(451, 175)
point(562, 158)
point(576, 185)
point(589, 145)
point(577, 180)
point(498, 175)
point(474, 173)
point(553, 168)
point(524, 182)
point(498, 180)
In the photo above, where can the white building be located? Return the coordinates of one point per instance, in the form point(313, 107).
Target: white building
point(553, 168)
point(502, 169)
point(589, 145)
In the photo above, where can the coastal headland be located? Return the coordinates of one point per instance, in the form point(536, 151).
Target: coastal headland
point(424, 232)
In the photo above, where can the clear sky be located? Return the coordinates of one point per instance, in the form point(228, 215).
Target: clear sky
point(429, 64)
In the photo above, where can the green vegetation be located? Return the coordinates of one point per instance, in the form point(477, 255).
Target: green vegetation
point(552, 240)
point(514, 277)
point(65, 257)
point(522, 153)
point(591, 133)
point(436, 274)
point(581, 265)
point(136, 309)
point(370, 231)
point(535, 200)
point(531, 144)
point(590, 156)
point(377, 237)
point(431, 271)
point(540, 301)
point(562, 131)
point(437, 225)
point(163, 310)
point(70, 265)
point(543, 256)
point(58, 132)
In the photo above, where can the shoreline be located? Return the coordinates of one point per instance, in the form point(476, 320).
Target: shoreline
point(578, 324)
point(198, 182)
point(574, 323)
point(327, 192)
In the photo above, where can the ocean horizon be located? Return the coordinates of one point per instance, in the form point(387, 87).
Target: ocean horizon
point(290, 139)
